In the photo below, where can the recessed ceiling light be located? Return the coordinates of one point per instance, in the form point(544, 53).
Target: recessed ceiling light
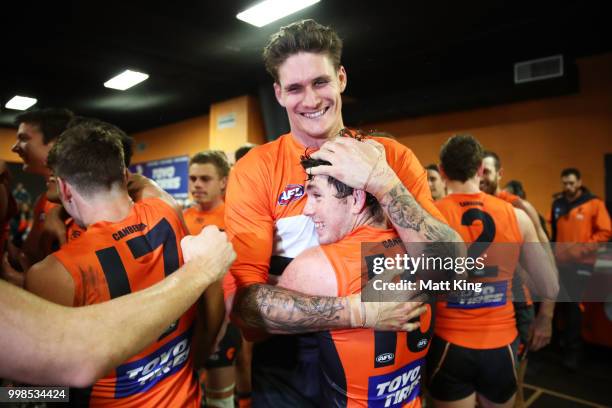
point(20, 102)
point(125, 80)
point(271, 10)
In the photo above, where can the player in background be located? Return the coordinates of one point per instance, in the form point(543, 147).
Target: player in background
point(436, 184)
point(126, 247)
point(36, 134)
point(473, 354)
point(535, 332)
point(45, 343)
point(208, 172)
point(359, 366)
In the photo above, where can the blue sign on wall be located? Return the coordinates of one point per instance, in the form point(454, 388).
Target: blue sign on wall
point(171, 174)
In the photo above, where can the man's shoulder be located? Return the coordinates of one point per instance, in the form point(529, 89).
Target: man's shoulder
point(392, 145)
point(268, 149)
point(193, 210)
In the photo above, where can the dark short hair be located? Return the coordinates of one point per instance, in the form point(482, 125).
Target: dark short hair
point(215, 157)
point(89, 156)
point(569, 171)
point(461, 156)
point(489, 153)
point(51, 121)
point(127, 141)
point(343, 190)
point(301, 36)
point(516, 187)
point(380, 133)
point(243, 150)
point(433, 167)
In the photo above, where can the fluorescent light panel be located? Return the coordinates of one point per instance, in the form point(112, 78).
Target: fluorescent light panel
point(271, 10)
point(125, 80)
point(20, 102)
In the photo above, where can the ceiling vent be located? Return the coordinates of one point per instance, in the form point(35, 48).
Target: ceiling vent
point(538, 69)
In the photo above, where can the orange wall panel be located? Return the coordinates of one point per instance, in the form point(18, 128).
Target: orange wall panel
point(7, 140)
point(183, 138)
point(535, 139)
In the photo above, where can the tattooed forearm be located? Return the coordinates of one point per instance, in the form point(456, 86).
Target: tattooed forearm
point(411, 221)
point(283, 311)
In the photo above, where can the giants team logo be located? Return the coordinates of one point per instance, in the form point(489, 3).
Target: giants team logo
point(291, 193)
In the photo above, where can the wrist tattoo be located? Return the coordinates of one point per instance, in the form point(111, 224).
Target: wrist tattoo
point(405, 212)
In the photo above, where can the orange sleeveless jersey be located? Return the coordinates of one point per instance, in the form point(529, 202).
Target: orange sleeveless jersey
point(265, 199)
point(363, 367)
point(507, 197)
point(482, 320)
point(520, 289)
point(195, 219)
point(113, 259)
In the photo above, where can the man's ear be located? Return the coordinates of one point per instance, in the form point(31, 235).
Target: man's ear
point(278, 92)
point(223, 182)
point(342, 78)
point(480, 171)
point(359, 201)
point(64, 189)
point(500, 173)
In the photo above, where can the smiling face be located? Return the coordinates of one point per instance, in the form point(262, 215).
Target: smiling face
point(490, 176)
point(333, 217)
point(32, 149)
point(310, 89)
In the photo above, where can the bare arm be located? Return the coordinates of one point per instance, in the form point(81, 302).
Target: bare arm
point(541, 331)
point(542, 275)
point(140, 187)
point(310, 273)
point(284, 311)
point(363, 165)
point(44, 342)
point(48, 343)
point(211, 313)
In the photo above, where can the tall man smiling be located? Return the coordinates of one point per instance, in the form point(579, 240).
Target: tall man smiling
point(265, 222)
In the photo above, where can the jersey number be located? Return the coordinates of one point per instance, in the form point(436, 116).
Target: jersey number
point(482, 242)
point(385, 342)
point(114, 271)
point(161, 234)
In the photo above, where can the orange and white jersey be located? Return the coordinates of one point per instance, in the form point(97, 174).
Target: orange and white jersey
point(482, 320)
point(265, 200)
point(109, 260)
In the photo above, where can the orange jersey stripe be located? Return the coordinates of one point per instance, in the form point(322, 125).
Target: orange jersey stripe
point(112, 259)
point(482, 320)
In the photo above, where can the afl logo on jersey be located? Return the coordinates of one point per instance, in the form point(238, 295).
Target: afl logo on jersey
point(291, 193)
point(385, 357)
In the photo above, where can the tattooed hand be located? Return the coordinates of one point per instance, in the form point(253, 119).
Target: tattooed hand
point(358, 164)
